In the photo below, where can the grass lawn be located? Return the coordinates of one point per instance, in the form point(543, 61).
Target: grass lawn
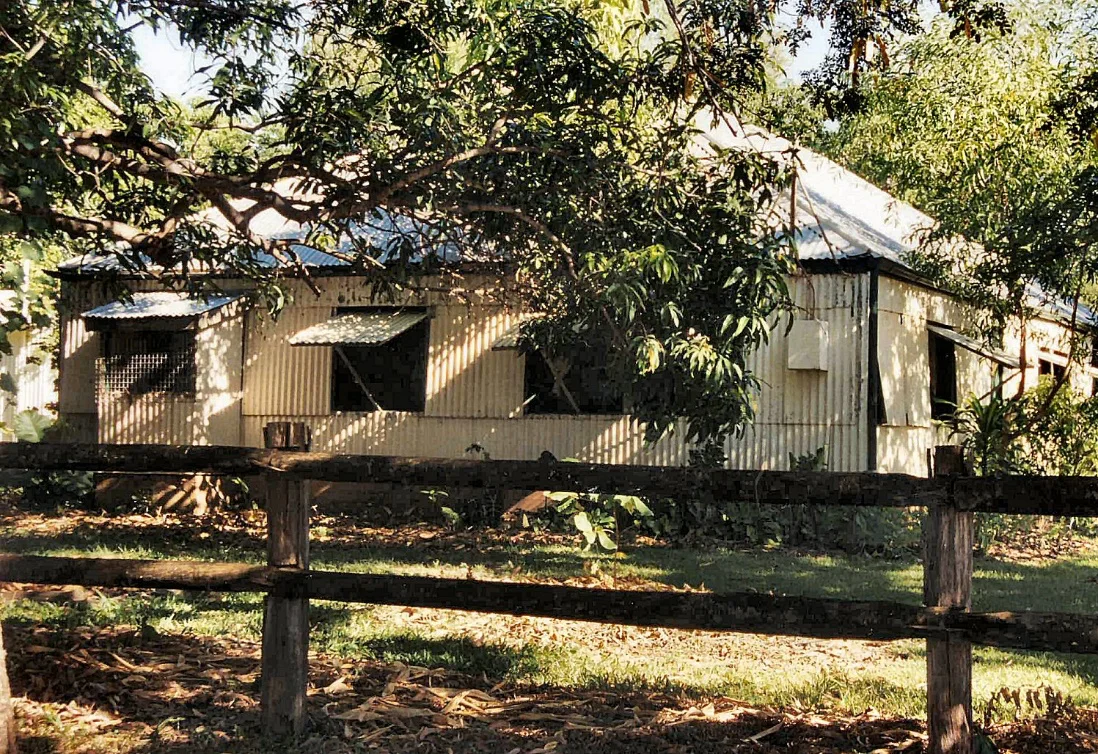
point(847, 677)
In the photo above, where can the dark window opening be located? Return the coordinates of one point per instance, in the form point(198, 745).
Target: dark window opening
point(391, 376)
point(577, 384)
point(1093, 387)
point(1094, 351)
point(148, 361)
point(882, 414)
point(943, 378)
point(1046, 368)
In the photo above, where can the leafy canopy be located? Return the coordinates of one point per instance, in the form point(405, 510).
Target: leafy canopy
point(991, 136)
point(558, 136)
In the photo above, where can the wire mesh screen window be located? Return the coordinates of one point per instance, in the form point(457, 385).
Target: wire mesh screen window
point(148, 362)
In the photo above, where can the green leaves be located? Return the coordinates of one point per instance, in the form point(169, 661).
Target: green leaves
point(556, 136)
point(596, 517)
point(30, 426)
point(982, 134)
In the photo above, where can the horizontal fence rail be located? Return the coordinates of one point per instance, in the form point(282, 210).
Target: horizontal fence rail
point(945, 621)
point(1062, 496)
point(747, 612)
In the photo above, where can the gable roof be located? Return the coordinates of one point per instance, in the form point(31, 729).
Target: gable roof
point(838, 214)
point(839, 217)
point(842, 218)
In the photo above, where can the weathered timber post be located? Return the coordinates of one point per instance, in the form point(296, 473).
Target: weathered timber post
point(947, 582)
point(7, 714)
point(285, 676)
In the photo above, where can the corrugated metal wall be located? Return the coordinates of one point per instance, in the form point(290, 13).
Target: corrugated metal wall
point(908, 433)
point(212, 416)
point(278, 377)
point(157, 418)
point(1050, 341)
point(590, 438)
point(219, 353)
point(33, 375)
point(800, 411)
point(465, 377)
point(79, 350)
point(474, 394)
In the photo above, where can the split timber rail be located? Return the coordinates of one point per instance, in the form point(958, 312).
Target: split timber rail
point(945, 621)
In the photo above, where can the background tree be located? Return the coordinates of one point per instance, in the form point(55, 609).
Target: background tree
point(985, 135)
point(555, 136)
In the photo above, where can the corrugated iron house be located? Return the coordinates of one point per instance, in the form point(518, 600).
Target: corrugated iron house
point(28, 381)
point(872, 347)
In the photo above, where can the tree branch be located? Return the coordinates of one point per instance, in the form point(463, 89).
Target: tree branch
point(102, 99)
point(77, 226)
point(380, 196)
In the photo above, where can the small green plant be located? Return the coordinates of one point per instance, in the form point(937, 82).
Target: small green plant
point(55, 487)
point(598, 517)
point(437, 498)
point(1049, 430)
point(989, 430)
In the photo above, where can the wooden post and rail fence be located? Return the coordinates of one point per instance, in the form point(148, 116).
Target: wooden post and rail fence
point(945, 620)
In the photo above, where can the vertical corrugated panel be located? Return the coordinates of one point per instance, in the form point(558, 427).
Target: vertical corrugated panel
point(33, 379)
point(587, 438)
point(280, 378)
point(79, 350)
point(465, 376)
point(799, 411)
point(156, 418)
point(31, 372)
point(9, 404)
point(218, 357)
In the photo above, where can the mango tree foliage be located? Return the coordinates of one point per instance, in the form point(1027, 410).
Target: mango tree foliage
point(556, 138)
point(981, 134)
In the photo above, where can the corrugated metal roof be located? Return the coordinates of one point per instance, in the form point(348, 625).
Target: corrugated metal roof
point(359, 329)
point(840, 215)
point(93, 264)
point(160, 305)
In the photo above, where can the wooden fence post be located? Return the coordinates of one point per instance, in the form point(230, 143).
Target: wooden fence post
point(947, 582)
point(285, 673)
point(7, 714)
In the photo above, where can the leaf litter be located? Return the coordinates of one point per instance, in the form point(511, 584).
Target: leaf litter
point(117, 691)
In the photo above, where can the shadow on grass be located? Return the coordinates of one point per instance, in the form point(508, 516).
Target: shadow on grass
point(152, 541)
point(180, 693)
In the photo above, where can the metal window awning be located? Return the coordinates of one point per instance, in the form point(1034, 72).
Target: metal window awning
point(156, 305)
point(359, 328)
point(509, 341)
point(1012, 362)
